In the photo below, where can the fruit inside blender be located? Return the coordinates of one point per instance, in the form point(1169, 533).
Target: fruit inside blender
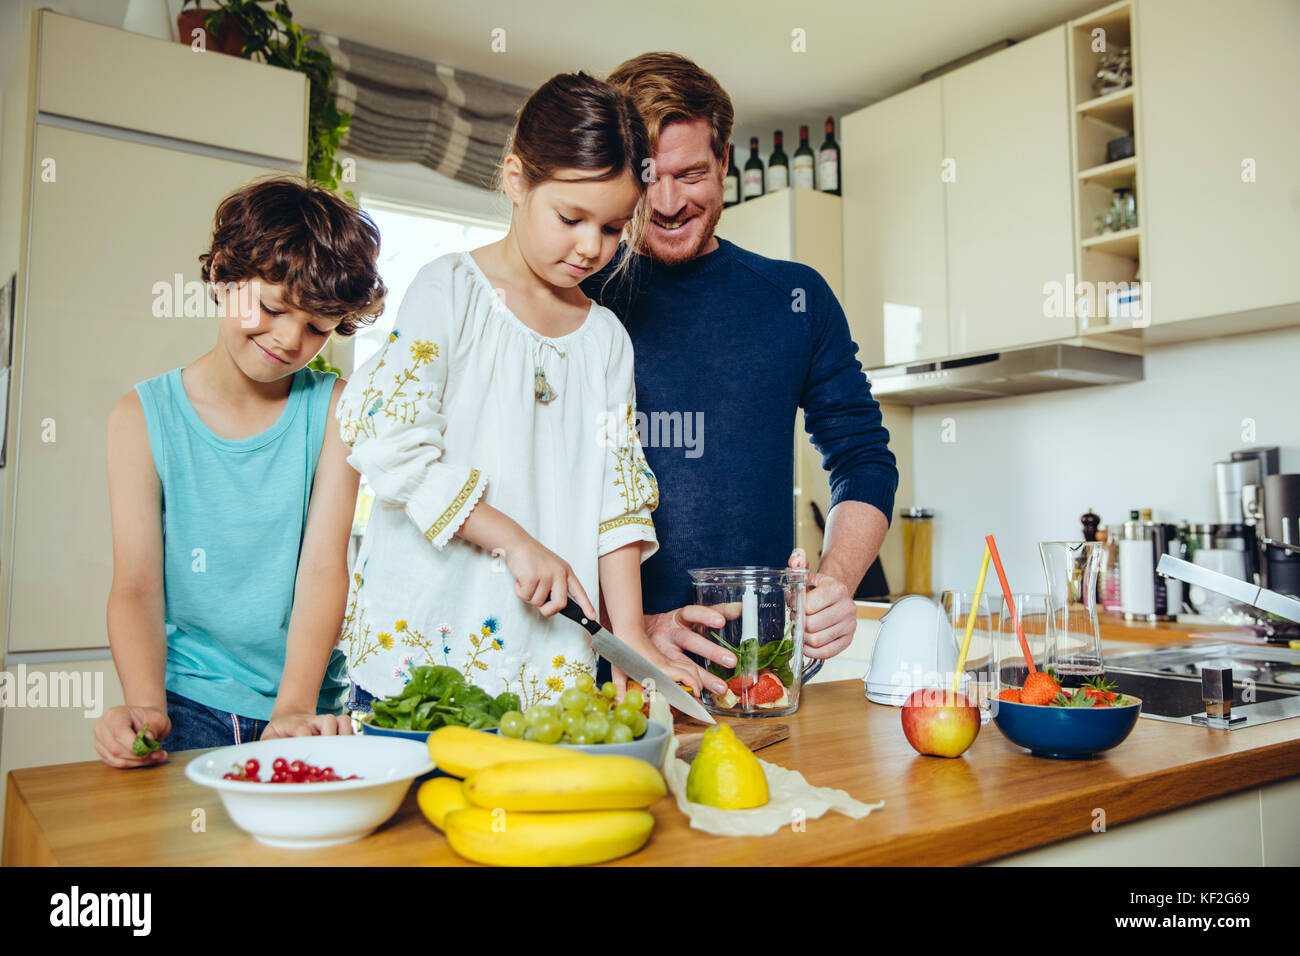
point(763, 675)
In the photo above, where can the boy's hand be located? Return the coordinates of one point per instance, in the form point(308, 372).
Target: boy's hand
point(544, 579)
point(682, 671)
point(307, 725)
point(116, 731)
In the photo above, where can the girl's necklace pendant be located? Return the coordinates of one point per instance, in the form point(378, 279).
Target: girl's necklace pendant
point(542, 390)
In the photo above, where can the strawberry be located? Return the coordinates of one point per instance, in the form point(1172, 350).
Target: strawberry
point(1101, 690)
point(766, 689)
point(741, 683)
point(1040, 688)
point(1011, 693)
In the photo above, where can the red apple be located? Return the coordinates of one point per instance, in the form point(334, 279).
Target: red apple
point(939, 723)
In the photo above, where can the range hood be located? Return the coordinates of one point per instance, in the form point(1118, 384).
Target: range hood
point(1042, 368)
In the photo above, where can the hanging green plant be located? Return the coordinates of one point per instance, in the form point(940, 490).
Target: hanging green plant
point(271, 36)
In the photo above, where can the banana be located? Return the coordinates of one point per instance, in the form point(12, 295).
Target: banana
point(581, 782)
point(503, 838)
point(439, 797)
point(460, 751)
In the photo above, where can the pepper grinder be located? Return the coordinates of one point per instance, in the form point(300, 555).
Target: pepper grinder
point(1090, 523)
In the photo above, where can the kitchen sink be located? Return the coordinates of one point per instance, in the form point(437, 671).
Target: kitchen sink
point(1265, 680)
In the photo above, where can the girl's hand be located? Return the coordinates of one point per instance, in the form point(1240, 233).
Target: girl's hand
point(544, 579)
point(117, 729)
point(682, 671)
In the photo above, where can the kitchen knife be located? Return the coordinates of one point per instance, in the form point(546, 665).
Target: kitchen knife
point(635, 666)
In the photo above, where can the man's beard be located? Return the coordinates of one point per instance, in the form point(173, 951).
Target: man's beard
point(676, 258)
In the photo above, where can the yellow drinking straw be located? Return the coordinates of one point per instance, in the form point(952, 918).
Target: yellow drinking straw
point(970, 622)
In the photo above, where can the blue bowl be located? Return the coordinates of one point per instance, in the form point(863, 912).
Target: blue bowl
point(1065, 731)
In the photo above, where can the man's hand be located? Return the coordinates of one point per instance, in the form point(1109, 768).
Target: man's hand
point(307, 725)
point(671, 633)
point(116, 731)
point(830, 616)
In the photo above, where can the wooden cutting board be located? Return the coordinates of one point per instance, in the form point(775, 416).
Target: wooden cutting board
point(754, 734)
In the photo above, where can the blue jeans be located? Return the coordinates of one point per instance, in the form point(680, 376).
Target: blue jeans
point(358, 699)
point(196, 726)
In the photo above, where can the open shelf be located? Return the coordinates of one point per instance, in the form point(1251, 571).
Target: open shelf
point(1114, 109)
point(1122, 172)
point(1124, 243)
point(1110, 258)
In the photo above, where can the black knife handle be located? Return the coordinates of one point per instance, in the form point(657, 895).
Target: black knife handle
point(575, 613)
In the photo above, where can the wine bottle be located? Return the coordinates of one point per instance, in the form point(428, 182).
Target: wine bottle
point(778, 167)
point(803, 161)
point(753, 180)
point(731, 182)
point(828, 161)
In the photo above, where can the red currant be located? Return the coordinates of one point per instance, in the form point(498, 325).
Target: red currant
point(297, 767)
point(280, 765)
point(251, 766)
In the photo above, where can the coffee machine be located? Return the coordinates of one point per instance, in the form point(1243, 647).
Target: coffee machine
point(1259, 513)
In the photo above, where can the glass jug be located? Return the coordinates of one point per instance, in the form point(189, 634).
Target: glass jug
point(1073, 632)
point(764, 608)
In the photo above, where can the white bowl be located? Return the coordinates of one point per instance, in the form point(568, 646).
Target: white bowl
point(315, 814)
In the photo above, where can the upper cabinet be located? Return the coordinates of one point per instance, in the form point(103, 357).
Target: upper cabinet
point(1024, 199)
point(957, 209)
point(895, 260)
point(1220, 95)
point(1008, 196)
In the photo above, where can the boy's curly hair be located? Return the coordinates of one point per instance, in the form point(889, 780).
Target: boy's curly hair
point(290, 232)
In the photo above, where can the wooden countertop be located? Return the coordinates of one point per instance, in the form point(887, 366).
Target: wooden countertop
point(994, 801)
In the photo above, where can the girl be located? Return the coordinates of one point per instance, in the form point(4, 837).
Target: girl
point(495, 429)
point(230, 493)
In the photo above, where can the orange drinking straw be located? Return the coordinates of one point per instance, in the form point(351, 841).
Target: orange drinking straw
point(1010, 602)
point(970, 623)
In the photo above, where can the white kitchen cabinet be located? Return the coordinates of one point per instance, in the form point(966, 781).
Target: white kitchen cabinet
point(804, 226)
point(1008, 201)
point(1220, 91)
point(117, 205)
point(895, 254)
point(58, 726)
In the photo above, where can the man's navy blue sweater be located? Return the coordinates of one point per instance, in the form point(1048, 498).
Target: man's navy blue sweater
point(728, 346)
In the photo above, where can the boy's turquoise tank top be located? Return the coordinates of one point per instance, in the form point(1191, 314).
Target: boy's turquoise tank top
point(234, 513)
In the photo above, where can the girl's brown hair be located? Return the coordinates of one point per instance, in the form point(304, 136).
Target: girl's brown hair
point(308, 239)
point(575, 121)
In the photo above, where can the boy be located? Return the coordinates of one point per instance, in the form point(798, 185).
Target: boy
point(231, 495)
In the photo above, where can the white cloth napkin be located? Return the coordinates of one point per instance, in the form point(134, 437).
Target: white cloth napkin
point(792, 800)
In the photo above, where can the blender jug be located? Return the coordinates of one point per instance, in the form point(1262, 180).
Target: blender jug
point(764, 610)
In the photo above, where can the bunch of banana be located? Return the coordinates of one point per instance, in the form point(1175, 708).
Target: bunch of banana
point(529, 804)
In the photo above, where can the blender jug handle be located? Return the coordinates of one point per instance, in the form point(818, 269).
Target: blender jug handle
point(810, 667)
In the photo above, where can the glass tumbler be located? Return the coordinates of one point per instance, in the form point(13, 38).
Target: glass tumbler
point(1073, 631)
point(977, 682)
point(1009, 665)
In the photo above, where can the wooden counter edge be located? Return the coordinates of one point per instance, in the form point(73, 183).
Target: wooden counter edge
point(24, 840)
point(1005, 833)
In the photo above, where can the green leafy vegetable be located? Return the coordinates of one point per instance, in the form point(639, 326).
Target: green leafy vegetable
point(142, 746)
point(438, 696)
point(751, 657)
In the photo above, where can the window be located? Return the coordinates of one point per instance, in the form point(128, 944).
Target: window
point(409, 238)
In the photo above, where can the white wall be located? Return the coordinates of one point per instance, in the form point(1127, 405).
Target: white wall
point(1025, 468)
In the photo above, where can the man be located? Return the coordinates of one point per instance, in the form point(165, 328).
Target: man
point(730, 344)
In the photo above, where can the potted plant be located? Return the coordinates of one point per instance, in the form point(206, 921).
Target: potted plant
point(269, 34)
